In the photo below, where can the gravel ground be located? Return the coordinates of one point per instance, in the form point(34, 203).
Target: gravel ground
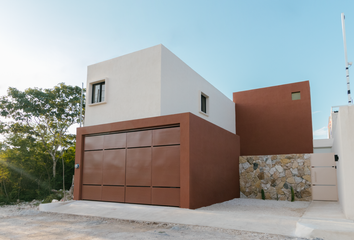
point(25, 221)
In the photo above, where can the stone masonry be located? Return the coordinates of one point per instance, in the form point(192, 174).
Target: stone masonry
point(276, 174)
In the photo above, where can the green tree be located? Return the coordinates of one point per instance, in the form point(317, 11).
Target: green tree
point(26, 165)
point(4, 175)
point(46, 114)
point(26, 168)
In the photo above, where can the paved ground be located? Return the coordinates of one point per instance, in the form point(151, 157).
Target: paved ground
point(26, 222)
point(235, 219)
point(293, 219)
point(249, 215)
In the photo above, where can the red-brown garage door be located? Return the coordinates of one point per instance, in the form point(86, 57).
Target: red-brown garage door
point(134, 167)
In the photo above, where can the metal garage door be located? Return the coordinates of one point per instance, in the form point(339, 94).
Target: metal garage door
point(134, 167)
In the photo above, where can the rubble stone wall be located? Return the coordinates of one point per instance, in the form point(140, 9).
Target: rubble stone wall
point(276, 174)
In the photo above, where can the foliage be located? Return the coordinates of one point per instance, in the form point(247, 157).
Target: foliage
point(50, 197)
point(292, 194)
point(46, 114)
point(263, 194)
point(34, 139)
point(69, 164)
point(27, 166)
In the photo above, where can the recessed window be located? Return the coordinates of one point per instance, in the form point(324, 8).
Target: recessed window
point(98, 91)
point(204, 101)
point(203, 104)
point(295, 96)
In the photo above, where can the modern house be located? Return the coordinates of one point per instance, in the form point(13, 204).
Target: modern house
point(156, 132)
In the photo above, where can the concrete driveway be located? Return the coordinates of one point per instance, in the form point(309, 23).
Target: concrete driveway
point(296, 219)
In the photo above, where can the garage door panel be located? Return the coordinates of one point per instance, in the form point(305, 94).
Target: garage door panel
point(93, 143)
point(114, 141)
point(112, 177)
point(166, 166)
point(138, 169)
point(113, 193)
point(92, 167)
point(91, 192)
point(114, 167)
point(166, 196)
point(92, 177)
point(138, 195)
point(139, 139)
point(141, 167)
point(166, 136)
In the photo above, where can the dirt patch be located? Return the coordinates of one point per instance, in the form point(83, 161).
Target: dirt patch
point(26, 222)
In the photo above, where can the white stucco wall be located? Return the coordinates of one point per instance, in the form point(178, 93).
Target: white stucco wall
point(132, 87)
point(181, 88)
point(343, 145)
point(153, 82)
point(322, 150)
point(322, 145)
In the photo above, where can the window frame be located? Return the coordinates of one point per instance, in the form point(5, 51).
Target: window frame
point(296, 95)
point(92, 85)
point(201, 95)
point(100, 84)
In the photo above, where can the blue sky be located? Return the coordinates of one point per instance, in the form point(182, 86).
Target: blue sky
point(235, 45)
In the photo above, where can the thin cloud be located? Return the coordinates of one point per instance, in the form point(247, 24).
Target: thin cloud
point(316, 112)
point(321, 133)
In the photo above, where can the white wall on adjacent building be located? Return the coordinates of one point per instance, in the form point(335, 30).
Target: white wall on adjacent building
point(343, 146)
point(322, 145)
point(132, 87)
point(181, 89)
point(322, 150)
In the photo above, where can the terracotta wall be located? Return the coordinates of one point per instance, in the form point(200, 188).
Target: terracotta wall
point(209, 157)
point(214, 169)
point(269, 122)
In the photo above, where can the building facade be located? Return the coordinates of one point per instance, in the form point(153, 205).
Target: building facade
point(156, 132)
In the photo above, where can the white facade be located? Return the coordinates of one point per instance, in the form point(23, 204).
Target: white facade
point(132, 91)
point(181, 89)
point(322, 145)
point(343, 146)
point(153, 82)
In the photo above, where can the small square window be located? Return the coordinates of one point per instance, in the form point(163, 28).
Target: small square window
point(295, 96)
point(98, 92)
